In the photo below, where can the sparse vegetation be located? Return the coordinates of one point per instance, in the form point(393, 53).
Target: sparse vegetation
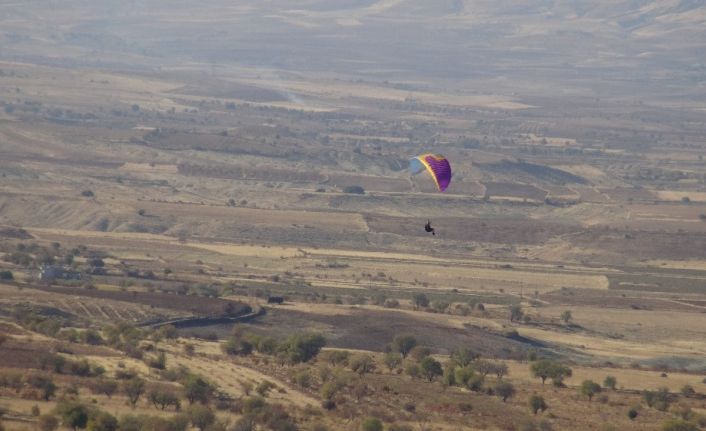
point(610, 382)
point(430, 368)
point(545, 368)
point(358, 190)
point(589, 388)
point(133, 389)
point(516, 313)
point(504, 390)
point(403, 344)
point(537, 404)
point(371, 424)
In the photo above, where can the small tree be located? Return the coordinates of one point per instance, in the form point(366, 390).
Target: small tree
point(336, 357)
point(201, 416)
point(483, 367)
point(162, 399)
point(632, 413)
point(463, 356)
point(403, 344)
point(102, 421)
point(541, 369)
point(264, 388)
point(105, 387)
point(133, 389)
point(92, 337)
point(449, 377)
point(430, 368)
point(302, 378)
point(362, 364)
point(74, 415)
point(301, 348)
point(371, 424)
point(610, 382)
point(688, 391)
point(246, 387)
point(516, 313)
point(420, 300)
point(536, 403)
point(504, 390)
point(159, 362)
point(566, 317)
point(413, 370)
point(589, 388)
point(189, 349)
point(45, 384)
point(658, 399)
point(196, 389)
point(419, 352)
point(545, 368)
point(440, 306)
point(392, 360)
point(329, 390)
point(236, 346)
point(500, 370)
point(559, 373)
point(475, 383)
point(463, 374)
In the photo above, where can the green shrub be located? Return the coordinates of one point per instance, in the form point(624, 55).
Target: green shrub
point(371, 424)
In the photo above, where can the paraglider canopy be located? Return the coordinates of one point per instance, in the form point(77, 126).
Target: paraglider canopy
point(437, 166)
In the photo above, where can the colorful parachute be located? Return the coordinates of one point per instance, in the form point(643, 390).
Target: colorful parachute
point(437, 166)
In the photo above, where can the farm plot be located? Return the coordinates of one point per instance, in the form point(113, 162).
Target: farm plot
point(657, 283)
point(514, 190)
point(678, 195)
point(464, 279)
point(676, 328)
point(198, 305)
point(668, 212)
point(608, 299)
point(249, 216)
point(616, 246)
point(368, 329)
point(590, 194)
point(486, 230)
point(629, 194)
point(23, 352)
point(270, 174)
point(84, 307)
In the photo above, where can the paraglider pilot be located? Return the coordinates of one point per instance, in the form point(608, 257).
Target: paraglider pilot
point(428, 228)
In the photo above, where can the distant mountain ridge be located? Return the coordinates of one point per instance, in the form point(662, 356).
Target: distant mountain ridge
point(526, 44)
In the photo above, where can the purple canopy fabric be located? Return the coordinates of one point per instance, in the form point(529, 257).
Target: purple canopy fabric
point(438, 167)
